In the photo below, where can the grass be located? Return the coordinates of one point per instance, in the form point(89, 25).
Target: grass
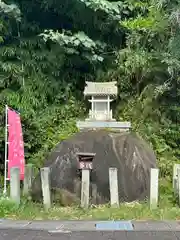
point(167, 209)
point(140, 211)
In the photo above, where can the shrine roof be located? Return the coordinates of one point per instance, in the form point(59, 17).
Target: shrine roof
point(100, 89)
point(85, 154)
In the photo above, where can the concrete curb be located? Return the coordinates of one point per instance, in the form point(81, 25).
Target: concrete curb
point(74, 226)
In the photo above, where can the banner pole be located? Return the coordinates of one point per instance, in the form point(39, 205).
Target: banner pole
point(5, 154)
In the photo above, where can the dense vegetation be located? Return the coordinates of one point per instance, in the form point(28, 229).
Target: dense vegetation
point(49, 48)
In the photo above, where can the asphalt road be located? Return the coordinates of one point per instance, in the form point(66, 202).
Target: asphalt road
point(17, 234)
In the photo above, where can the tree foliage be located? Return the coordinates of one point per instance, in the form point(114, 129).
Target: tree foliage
point(49, 49)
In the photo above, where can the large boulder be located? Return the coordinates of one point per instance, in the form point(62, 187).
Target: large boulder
point(126, 151)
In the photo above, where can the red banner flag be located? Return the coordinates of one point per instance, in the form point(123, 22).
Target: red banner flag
point(15, 143)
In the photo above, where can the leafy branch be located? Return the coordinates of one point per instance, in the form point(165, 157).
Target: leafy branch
point(79, 44)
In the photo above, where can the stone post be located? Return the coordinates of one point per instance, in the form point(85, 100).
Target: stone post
point(45, 181)
point(178, 184)
point(15, 185)
point(175, 178)
point(113, 184)
point(154, 185)
point(85, 188)
point(28, 178)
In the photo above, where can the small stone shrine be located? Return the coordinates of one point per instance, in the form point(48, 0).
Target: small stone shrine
point(100, 95)
point(97, 149)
